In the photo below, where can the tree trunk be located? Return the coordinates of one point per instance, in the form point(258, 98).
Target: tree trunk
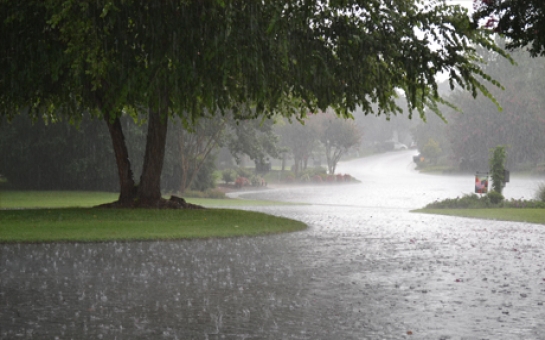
point(183, 161)
point(296, 166)
point(127, 190)
point(149, 189)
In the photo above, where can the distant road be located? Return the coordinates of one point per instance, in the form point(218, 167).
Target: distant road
point(390, 181)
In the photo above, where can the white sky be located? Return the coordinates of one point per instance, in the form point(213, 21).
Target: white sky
point(466, 3)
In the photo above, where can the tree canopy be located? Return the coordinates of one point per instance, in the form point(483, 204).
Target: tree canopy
point(468, 137)
point(523, 22)
point(186, 58)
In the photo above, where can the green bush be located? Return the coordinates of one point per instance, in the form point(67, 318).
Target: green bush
point(305, 178)
point(284, 176)
point(228, 175)
point(464, 202)
point(214, 193)
point(257, 181)
point(491, 200)
point(540, 194)
point(243, 172)
point(432, 150)
point(309, 173)
point(520, 203)
point(494, 197)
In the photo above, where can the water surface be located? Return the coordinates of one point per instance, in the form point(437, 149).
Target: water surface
point(366, 268)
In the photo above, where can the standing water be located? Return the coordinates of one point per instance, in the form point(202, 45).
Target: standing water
point(366, 268)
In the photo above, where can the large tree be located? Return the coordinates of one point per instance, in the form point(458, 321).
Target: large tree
point(165, 58)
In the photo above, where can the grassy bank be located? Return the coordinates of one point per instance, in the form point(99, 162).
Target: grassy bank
point(502, 214)
point(67, 199)
point(67, 216)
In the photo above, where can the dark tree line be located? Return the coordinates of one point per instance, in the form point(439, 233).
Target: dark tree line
point(57, 156)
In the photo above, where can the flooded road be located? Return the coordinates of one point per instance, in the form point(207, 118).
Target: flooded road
point(391, 181)
point(366, 268)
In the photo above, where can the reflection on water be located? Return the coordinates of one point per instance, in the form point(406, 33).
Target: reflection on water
point(365, 269)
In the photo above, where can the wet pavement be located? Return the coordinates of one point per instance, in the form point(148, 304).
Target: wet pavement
point(366, 268)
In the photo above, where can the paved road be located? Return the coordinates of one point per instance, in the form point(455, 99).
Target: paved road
point(366, 268)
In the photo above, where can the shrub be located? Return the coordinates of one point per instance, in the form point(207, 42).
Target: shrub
point(494, 197)
point(464, 202)
point(491, 200)
point(214, 193)
point(308, 174)
point(228, 175)
point(497, 168)
point(305, 178)
point(520, 203)
point(432, 150)
point(257, 181)
point(540, 194)
point(317, 179)
point(287, 174)
point(317, 171)
point(243, 172)
point(205, 178)
point(241, 182)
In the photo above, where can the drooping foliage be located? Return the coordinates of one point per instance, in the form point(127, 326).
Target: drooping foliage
point(467, 138)
point(165, 58)
point(522, 21)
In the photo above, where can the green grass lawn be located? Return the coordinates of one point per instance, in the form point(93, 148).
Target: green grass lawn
point(67, 199)
point(22, 221)
point(86, 224)
point(503, 214)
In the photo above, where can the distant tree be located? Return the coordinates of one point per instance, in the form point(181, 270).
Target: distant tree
point(195, 146)
point(435, 129)
point(300, 138)
point(338, 136)
point(497, 168)
point(110, 57)
point(468, 137)
point(254, 138)
point(228, 175)
point(520, 124)
point(195, 143)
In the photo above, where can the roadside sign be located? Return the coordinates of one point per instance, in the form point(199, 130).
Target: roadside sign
point(481, 182)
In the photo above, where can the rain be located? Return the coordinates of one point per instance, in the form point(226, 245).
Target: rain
point(369, 265)
point(366, 268)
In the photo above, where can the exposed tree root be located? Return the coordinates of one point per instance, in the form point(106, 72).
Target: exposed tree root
point(173, 203)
